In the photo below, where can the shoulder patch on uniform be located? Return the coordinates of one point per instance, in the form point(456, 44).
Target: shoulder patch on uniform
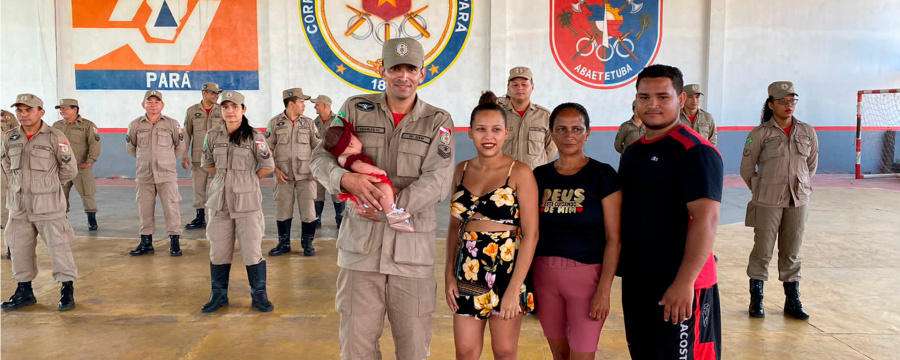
point(746, 152)
point(66, 159)
point(205, 143)
point(261, 145)
point(444, 134)
point(64, 147)
point(444, 151)
point(365, 106)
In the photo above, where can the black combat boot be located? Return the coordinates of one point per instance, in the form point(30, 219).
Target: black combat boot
point(174, 245)
point(256, 274)
point(8, 253)
point(284, 238)
point(218, 274)
point(756, 299)
point(338, 214)
point(92, 221)
point(24, 296)
point(308, 233)
point(145, 247)
point(199, 222)
point(792, 305)
point(67, 296)
point(320, 206)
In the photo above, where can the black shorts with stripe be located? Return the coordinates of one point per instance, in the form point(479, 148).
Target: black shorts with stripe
point(649, 337)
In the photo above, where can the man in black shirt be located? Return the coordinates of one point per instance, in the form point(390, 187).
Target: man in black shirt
point(672, 188)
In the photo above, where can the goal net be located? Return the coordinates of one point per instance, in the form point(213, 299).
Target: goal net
point(878, 133)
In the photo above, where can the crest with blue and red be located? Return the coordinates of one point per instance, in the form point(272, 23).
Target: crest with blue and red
point(347, 36)
point(604, 44)
point(165, 44)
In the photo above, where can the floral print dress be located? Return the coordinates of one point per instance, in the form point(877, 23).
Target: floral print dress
point(486, 260)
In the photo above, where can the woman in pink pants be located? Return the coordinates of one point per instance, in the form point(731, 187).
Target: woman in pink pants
point(575, 261)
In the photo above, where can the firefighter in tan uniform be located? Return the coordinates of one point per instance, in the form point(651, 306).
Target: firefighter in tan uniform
point(7, 122)
point(323, 121)
point(384, 271)
point(696, 118)
point(529, 124)
point(38, 160)
point(780, 157)
point(292, 137)
point(84, 140)
point(237, 156)
point(198, 119)
point(630, 131)
point(156, 141)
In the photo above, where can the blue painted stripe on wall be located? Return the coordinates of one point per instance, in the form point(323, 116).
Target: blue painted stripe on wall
point(151, 79)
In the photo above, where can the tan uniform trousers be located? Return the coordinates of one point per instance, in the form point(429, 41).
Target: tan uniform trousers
point(320, 194)
point(84, 184)
point(201, 181)
point(364, 297)
point(168, 197)
point(222, 231)
point(305, 192)
point(4, 212)
point(786, 224)
point(21, 237)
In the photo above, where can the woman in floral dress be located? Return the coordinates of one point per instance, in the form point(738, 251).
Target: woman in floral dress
point(492, 236)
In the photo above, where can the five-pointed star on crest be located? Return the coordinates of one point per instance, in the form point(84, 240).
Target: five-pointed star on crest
point(392, 2)
point(341, 68)
point(433, 69)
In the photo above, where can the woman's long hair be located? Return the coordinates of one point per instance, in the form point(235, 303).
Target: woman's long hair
point(243, 132)
point(766, 112)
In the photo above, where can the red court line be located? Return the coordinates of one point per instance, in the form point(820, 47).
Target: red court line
point(616, 128)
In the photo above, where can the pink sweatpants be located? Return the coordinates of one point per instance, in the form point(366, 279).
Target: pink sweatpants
point(564, 289)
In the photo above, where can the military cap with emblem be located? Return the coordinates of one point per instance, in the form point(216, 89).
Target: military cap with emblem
point(150, 93)
point(520, 72)
point(292, 92)
point(6, 115)
point(321, 99)
point(780, 89)
point(232, 96)
point(28, 100)
point(67, 103)
point(691, 89)
point(211, 86)
point(399, 51)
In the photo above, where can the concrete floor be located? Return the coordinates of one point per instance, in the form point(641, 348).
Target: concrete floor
point(149, 307)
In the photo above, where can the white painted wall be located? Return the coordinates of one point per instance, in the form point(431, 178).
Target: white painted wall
point(830, 49)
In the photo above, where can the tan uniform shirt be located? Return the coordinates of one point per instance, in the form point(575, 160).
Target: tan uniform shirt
point(529, 136)
point(84, 139)
point(293, 144)
point(778, 167)
point(156, 148)
point(628, 133)
point(703, 125)
point(196, 124)
point(418, 158)
point(37, 168)
point(235, 187)
point(323, 125)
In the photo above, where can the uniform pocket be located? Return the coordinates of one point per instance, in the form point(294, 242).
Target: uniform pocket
point(411, 155)
point(804, 145)
point(284, 136)
point(353, 236)
point(535, 142)
point(372, 144)
point(220, 155)
point(15, 158)
point(771, 148)
point(216, 192)
point(165, 164)
point(750, 217)
point(770, 194)
point(143, 138)
point(703, 130)
point(417, 248)
point(164, 138)
point(46, 196)
point(241, 159)
point(40, 160)
point(247, 196)
point(77, 136)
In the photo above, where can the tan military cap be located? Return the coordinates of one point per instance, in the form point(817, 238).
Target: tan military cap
point(232, 96)
point(402, 51)
point(780, 89)
point(691, 89)
point(298, 92)
point(28, 100)
point(322, 99)
point(211, 86)
point(6, 115)
point(150, 93)
point(67, 102)
point(520, 72)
